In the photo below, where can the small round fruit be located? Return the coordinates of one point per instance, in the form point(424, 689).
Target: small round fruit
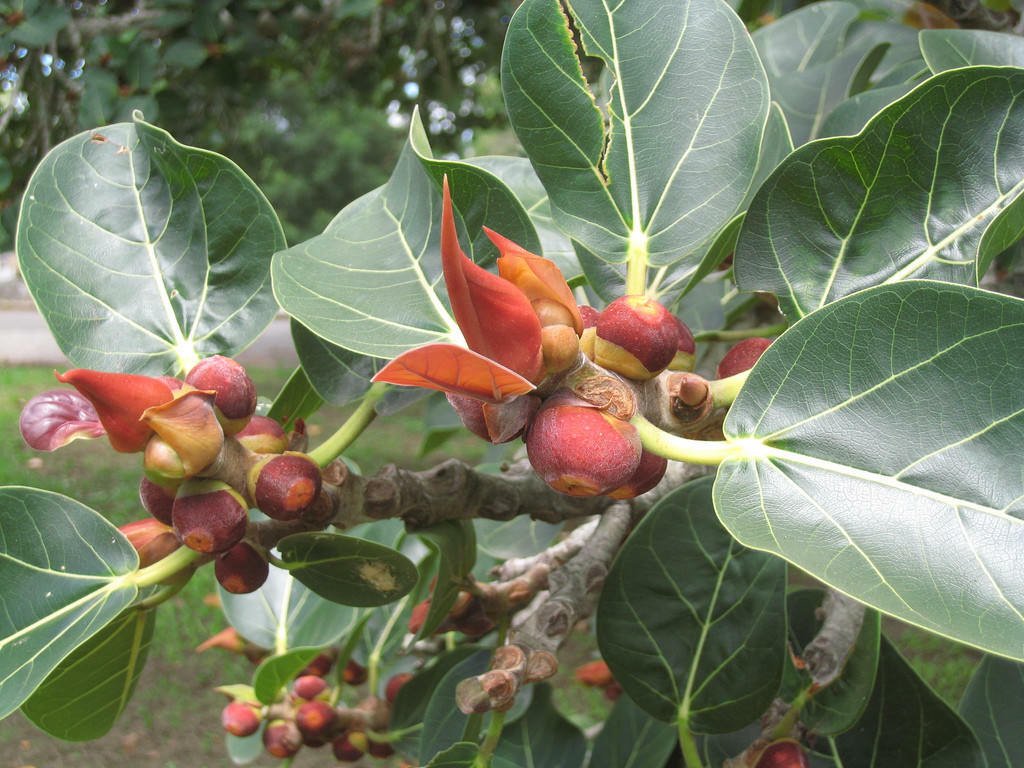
point(240, 719)
point(281, 738)
point(636, 337)
point(394, 685)
point(308, 687)
point(784, 753)
point(345, 750)
point(151, 539)
point(158, 498)
point(209, 516)
point(263, 435)
point(381, 749)
point(560, 347)
point(741, 357)
point(647, 475)
point(320, 665)
point(418, 616)
point(235, 396)
point(685, 358)
point(241, 569)
point(285, 486)
point(316, 720)
point(355, 673)
point(580, 450)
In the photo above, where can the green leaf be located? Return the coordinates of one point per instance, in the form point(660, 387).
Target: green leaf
point(454, 541)
point(906, 723)
point(144, 254)
point(372, 282)
point(284, 614)
point(275, 672)
point(348, 570)
point(907, 197)
point(83, 697)
point(244, 750)
point(810, 66)
point(543, 737)
point(338, 375)
point(631, 738)
point(692, 624)
point(186, 53)
point(518, 537)
point(296, 400)
point(852, 115)
point(953, 48)
point(636, 189)
point(64, 572)
point(993, 706)
point(41, 27)
point(460, 755)
point(874, 449)
point(443, 723)
point(836, 708)
point(481, 198)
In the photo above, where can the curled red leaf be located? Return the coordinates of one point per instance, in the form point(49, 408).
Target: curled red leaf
point(54, 418)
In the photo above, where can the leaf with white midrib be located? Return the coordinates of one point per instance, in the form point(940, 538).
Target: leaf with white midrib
point(993, 705)
point(879, 444)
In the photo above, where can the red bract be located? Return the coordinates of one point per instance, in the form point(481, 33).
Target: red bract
point(54, 418)
point(119, 400)
point(495, 317)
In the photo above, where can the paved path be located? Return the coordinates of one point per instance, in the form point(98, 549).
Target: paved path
point(25, 340)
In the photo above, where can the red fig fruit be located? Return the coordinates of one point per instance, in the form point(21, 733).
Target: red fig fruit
point(636, 337)
point(158, 498)
point(394, 685)
point(282, 738)
point(308, 687)
point(647, 475)
point(263, 435)
point(241, 569)
point(235, 393)
point(209, 516)
point(285, 486)
point(784, 753)
point(240, 719)
point(316, 720)
point(741, 357)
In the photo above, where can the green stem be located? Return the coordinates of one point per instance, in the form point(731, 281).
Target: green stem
point(392, 736)
point(373, 662)
point(636, 263)
point(354, 638)
point(354, 425)
point(671, 446)
point(784, 728)
point(688, 745)
point(724, 391)
point(162, 595)
point(490, 743)
point(177, 561)
point(739, 334)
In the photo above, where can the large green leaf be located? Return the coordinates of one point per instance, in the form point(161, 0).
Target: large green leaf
point(285, 614)
point(144, 254)
point(346, 569)
point(810, 65)
point(542, 738)
point(953, 48)
point(454, 541)
point(518, 537)
point(686, 114)
point(298, 399)
point(460, 755)
point(275, 672)
point(443, 723)
point(372, 282)
point(907, 197)
point(631, 738)
point(83, 697)
point(878, 447)
point(906, 723)
point(692, 624)
point(63, 568)
point(993, 705)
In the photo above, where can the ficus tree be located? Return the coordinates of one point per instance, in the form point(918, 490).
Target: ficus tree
point(829, 192)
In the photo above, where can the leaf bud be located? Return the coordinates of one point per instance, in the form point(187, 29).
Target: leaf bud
point(240, 719)
point(560, 346)
point(161, 462)
point(209, 516)
point(595, 673)
point(242, 569)
point(741, 357)
point(418, 616)
point(263, 435)
point(235, 393)
point(189, 425)
point(284, 486)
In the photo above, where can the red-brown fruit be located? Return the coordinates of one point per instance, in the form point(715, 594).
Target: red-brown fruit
point(589, 315)
point(285, 486)
point(595, 673)
point(741, 357)
point(685, 358)
point(241, 569)
point(240, 719)
point(394, 685)
point(209, 516)
point(316, 720)
point(648, 474)
point(157, 499)
point(151, 539)
point(355, 673)
point(381, 749)
point(636, 337)
point(263, 435)
point(345, 750)
point(308, 687)
point(470, 412)
point(612, 691)
point(235, 396)
point(580, 450)
point(319, 666)
point(418, 616)
point(282, 738)
point(785, 753)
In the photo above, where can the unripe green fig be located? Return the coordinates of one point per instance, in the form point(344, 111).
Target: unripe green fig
point(209, 516)
point(240, 719)
point(235, 393)
point(241, 569)
point(263, 435)
point(285, 486)
point(636, 337)
point(741, 356)
point(580, 450)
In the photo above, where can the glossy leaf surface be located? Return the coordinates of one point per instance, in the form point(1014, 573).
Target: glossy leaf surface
point(662, 193)
point(691, 623)
point(126, 211)
point(878, 448)
point(518, 537)
point(908, 197)
point(953, 48)
point(541, 737)
point(454, 541)
point(63, 570)
point(83, 697)
point(631, 738)
point(443, 723)
point(993, 705)
point(348, 570)
point(275, 672)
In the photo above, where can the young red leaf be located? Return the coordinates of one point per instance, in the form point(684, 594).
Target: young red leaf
point(495, 317)
point(54, 418)
point(454, 369)
point(119, 400)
